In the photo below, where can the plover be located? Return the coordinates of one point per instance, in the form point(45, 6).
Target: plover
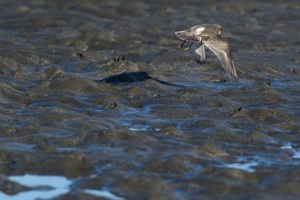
point(209, 35)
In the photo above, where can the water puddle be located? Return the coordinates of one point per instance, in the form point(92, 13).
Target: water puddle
point(243, 165)
point(290, 147)
point(143, 128)
point(47, 187)
point(105, 194)
point(247, 167)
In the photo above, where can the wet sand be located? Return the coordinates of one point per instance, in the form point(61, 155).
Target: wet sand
point(100, 93)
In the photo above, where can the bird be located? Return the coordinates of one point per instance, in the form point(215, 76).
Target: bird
point(208, 35)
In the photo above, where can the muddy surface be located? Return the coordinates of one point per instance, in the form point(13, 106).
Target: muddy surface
point(100, 93)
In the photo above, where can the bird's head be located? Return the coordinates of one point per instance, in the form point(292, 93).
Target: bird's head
point(218, 27)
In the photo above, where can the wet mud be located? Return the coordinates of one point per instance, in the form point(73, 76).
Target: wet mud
point(100, 92)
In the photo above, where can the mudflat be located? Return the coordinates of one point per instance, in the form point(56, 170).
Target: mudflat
point(100, 93)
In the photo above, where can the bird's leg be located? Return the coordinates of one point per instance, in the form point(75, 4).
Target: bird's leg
point(182, 43)
point(185, 49)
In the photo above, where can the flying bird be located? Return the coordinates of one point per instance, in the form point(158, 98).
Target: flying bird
point(208, 35)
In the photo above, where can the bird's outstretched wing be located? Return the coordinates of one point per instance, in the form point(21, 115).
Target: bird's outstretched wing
point(188, 35)
point(221, 49)
point(193, 34)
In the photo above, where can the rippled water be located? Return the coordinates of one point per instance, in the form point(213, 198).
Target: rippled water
point(98, 92)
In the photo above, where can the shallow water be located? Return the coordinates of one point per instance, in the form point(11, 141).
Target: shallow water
point(99, 92)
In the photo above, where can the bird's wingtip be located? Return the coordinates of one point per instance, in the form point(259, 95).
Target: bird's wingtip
point(233, 73)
